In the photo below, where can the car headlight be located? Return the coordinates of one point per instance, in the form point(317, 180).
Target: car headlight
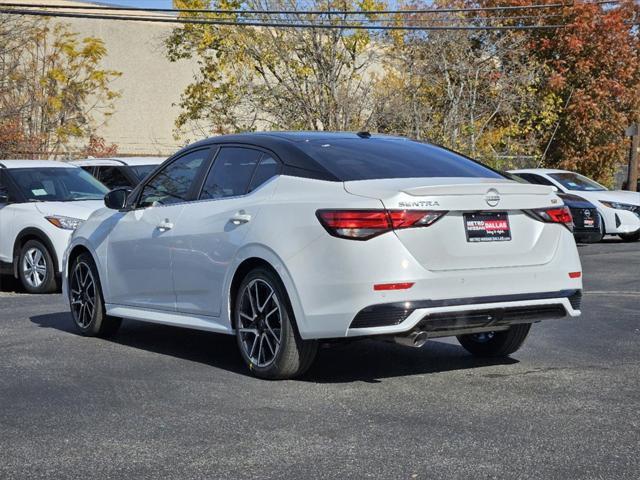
point(66, 223)
point(620, 206)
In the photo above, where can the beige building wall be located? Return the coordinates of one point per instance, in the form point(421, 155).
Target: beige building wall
point(150, 85)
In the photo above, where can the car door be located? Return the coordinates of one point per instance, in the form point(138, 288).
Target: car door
point(141, 243)
point(216, 226)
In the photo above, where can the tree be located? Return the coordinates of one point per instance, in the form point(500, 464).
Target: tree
point(98, 148)
point(283, 78)
point(474, 92)
point(593, 65)
point(53, 89)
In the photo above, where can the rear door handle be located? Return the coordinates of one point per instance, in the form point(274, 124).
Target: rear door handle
point(240, 218)
point(165, 225)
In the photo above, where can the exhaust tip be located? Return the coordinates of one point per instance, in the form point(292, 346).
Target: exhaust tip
point(414, 339)
point(420, 339)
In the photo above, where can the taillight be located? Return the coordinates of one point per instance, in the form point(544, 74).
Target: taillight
point(366, 224)
point(555, 215)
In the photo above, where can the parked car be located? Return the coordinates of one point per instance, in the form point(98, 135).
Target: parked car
point(41, 203)
point(587, 224)
point(618, 209)
point(119, 172)
point(284, 239)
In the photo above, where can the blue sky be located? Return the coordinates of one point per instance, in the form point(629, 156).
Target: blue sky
point(139, 3)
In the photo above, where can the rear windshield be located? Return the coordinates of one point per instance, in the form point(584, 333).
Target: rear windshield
point(376, 158)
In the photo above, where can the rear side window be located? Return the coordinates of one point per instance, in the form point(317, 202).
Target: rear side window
point(377, 158)
point(113, 177)
point(173, 183)
point(231, 173)
point(268, 168)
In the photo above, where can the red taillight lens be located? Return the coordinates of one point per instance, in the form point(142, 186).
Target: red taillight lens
point(365, 224)
point(555, 215)
point(392, 286)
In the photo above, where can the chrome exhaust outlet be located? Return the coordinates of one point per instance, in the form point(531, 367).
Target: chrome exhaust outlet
point(415, 339)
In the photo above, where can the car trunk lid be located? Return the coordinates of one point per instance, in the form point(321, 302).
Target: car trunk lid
point(450, 244)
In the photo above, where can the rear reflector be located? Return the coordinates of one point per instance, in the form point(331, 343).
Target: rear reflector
point(393, 286)
point(575, 274)
point(366, 224)
point(560, 215)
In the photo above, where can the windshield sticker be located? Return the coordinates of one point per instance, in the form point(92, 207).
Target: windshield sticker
point(39, 192)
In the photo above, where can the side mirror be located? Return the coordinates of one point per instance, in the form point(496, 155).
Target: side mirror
point(117, 199)
point(554, 188)
point(4, 196)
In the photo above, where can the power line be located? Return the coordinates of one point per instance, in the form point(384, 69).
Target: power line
point(308, 12)
point(274, 24)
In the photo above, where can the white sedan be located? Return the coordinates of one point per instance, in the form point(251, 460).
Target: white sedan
point(284, 239)
point(619, 209)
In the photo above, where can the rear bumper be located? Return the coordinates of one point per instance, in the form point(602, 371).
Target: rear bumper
point(441, 318)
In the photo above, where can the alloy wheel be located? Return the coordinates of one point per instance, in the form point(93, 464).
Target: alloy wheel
point(83, 295)
point(260, 322)
point(34, 267)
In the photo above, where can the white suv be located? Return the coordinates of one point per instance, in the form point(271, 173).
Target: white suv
point(119, 172)
point(41, 203)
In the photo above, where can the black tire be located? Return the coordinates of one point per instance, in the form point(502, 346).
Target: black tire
point(30, 268)
point(630, 237)
point(496, 344)
point(293, 356)
point(601, 234)
point(95, 323)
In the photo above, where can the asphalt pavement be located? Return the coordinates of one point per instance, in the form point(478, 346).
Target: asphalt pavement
point(163, 402)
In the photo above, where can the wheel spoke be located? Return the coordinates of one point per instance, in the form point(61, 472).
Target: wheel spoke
point(81, 315)
point(253, 307)
point(271, 313)
point(253, 347)
point(272, 332)
point(268, 342)
point(30, 256)
point(257, 297)
point(260, 348)
point(253, 331)
point(265, 302)
point(247, 317)
point(37, 256)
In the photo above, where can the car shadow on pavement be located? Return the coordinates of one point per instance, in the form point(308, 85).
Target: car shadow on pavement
point(373, 360)
point(359, 360)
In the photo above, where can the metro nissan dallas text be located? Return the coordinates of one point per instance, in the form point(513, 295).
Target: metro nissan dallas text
point(288, 239)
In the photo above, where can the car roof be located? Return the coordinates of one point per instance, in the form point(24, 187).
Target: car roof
point(539, 170)
point(34, 164)
point(286, 145)
point(132, 161)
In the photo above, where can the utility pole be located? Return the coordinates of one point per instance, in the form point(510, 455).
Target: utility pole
point(632, 175)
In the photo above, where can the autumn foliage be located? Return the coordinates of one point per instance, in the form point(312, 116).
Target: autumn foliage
point(594, 66)
point(99, 148)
